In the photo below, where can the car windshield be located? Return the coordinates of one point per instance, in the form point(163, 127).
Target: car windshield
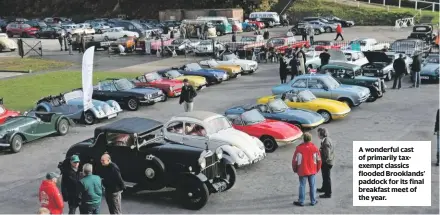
point(218, 124)
point(230, 57)
point(193, 66)
point(277, 105)
point(173, 74)
point(306, 96)
point(276, 41)
point(432, 59)
point(153, 77)
point(331, 82)
point(252, 117)
point(403, 45)
point(73, 95)
point(248, 39)
point(124, 84)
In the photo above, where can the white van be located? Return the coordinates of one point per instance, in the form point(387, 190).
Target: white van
point(271, 18)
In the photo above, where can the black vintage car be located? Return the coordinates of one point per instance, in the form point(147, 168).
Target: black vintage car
point(423, 32)
point(48, 32)
point(90, 41)
point(380, 64)
point(127, 94)
point(152, 163)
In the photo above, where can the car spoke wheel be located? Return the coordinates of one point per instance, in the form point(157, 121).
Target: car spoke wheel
point(231, 175)
point(89, 118)
point(269, 143)
point(16, 143)
point(133, 104)
point(326, 115)
point(194, 194)
point(63, 127)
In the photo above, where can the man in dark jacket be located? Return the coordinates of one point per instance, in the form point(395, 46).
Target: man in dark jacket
point(113, 184)
point(328, 156)
point(70, 184)
point(187, 96)
point(293, 67)
point(234, 37)
point(283, 70)
point(90, 191)
point(399, 67)
point(304, 57)
point(325, 57)
point(266, 34)
point(416, 66)
point(438, 136)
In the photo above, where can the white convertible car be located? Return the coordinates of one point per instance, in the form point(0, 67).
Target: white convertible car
point(204, 129)
point(248, 66)
point(6, 43)
point(118, 32)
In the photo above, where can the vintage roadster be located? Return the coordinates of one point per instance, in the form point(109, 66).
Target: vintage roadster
point(152, 163)
point(430, 69)
point(170, 87)
point(198, 82)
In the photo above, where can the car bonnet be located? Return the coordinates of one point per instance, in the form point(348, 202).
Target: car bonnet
point(303, 116)
point(277, 127)
point(143, 90)
point(336, 55)
point(239, 139)
point(429, 68)
point(14, 122)
point(377, 57)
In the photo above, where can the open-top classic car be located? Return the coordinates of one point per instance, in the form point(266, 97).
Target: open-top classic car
point(195, 128)
point(277, 110)
point(248, 66)
point(366, 44)
point(5, 113)
point(232, 70)
point(423, 32)
point(281, 44)
point(31, 126)
point(126, 93)
point(208, 47)
point(321, 45)
point(213, 76)
point(152, 163)
point(170, 87)
point(198, 82)
point(271, 132)
point(329, 109)
point(71, 105)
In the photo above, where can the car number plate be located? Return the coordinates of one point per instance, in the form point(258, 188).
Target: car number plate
point(158, 99)
point(368, 74)
point(112, 116)
point(105, 43)
point(424, 77)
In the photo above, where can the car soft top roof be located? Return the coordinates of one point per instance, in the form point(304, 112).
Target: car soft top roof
point(132, 125)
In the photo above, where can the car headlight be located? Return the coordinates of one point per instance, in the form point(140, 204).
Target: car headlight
point(219, 153)
point(159, 92)
point(376, 84)
point(171, 88)
point(241, 154)
point(147, 96)
point(202, 162)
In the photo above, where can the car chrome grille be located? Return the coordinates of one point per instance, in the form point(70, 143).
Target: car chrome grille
point(212, 167)
point(155, 95)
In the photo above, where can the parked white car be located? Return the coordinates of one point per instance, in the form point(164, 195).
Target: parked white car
point(354, 57)
point(248, 66)
point(78, 29)
point(7, 43)
point(205, 47)
point(118, 32)
point(367, 44)
point(204, 129)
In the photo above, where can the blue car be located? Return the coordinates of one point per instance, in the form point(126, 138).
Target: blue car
point(213, 76)
point(71, 105)
point(325, 86)
point(278, 110)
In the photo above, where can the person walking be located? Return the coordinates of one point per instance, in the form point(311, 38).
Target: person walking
point(325, 57)
point(399, 67)
point(90, 191)
point(339, 32)
point(438, 136)
point(266, 34)
point(311, 33)
point(113, 184)
point(293, 67)
point(283, 70)
point(328, 155)
point(187, 96)
point(301, 64)
point(306, 163)
point(50, 196)
point(416, 66)
point(70, 184)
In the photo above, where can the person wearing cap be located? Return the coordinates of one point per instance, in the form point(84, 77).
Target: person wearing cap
point(50, 196)
point(187, 96)
point(90, 191)
point(113, 184)
point(70, 183)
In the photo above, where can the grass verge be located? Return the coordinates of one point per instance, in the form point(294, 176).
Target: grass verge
point(34, 64)
point(21, 93)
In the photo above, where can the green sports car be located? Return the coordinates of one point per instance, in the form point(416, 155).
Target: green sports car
point(31, 126)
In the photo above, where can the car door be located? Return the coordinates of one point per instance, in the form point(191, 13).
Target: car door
point(195, 135)
point(45, 125)
point(174, 131)
point(317, 88)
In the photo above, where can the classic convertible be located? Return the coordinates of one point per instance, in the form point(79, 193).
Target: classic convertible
point(71, 105)
point(327, 108)
point(198, 128)
point(31, 126)
point(152, 163)
point(271, 132)
point(170, 87)
point(277, 110)
point(197, 82)
point(127, 94)
point(213, 76)
point(5, 113)
point(232, 70)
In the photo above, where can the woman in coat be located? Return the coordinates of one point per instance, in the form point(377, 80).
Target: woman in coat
point(301, 64)
point(283, 70)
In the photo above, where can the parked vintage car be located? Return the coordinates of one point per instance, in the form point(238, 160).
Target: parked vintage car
point(282, 44)
point(325, 86)
point(271, 132)
point(304, 99)
point(20, 29)
point(321, 45)
point(181, 45)
point(410, 47)
point(351, 74)
point(6, 43)
point(213, 76)
point(367, 44)
point(152, 163)
point(127, 94)
point(170, 87)
point(155, 45)
point(423, 32)
point(236, 25)
point(198, 82)
point(246, 44)
point(202, 129)
point(129, 43)
point(206, 47)
point(232, 70)
point(31, 126)
point(49, 32)
point(71, 105)
point(344, 23)
point(248, 66)
point(118, 32)
point(355, 57)
point(300, 27)
point(430, 68)
point(381, 64)
point(5, 113)
point(277, 110)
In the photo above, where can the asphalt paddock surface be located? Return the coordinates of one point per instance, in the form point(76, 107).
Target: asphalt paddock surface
point(269, 186)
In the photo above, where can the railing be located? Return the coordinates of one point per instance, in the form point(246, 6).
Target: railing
point(403, 23)
point(388, 3)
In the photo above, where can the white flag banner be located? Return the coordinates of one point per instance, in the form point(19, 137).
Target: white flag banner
point(87, 77)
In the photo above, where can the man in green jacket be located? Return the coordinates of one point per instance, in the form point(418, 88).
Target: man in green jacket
point(90, 191)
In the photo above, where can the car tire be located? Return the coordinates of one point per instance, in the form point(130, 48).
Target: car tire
point(16, 143)
point(297, 124)
point(132, 104)
point(193, 194)
point(269, 143)
point(88, 118)
point(231, 175)
point(153, 175)
point(326, 115)
point(389, 76)
point(12, 50)
point(346, 101)
point(218, 33)
point(63, 127)
point(328, 30)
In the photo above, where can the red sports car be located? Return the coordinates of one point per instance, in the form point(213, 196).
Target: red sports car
point(172, 88)
point(271, 132)
point(321, 45)
point(5, 113)
point(281, 44)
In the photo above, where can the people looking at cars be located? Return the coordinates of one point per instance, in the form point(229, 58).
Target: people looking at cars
point(328, 155)
point(113, 184)
point(283, 70)
point(50, 196)
point(325, 57)
point(70, 182)
point(90, 191)
point(399, 67)
point(187, 96)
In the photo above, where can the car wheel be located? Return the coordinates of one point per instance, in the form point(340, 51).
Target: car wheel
point(389, 76)
point(269, 143)
point(16, 143)
point(193, 194)
point(317, 32)
point(231, 175)
point(132, 104)
point(346, 101)
point(326, 115)
point(218, 33)
point(165, 97)
point(328, 30)
point(88, 118)
point(37, 36)
point(63, 127)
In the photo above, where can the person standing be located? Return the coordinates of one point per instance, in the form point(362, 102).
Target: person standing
point(60, 41)
point(311, 33)
point(306, 163)
point(69, 42)
point(70, 184)
point(81, 42)
point(266, 34)
point(339, 32)
point(113, 184)
point(301, 50)
point(438, 136)
point(399, 67)
point(187, 96)
point(325, 57)
point(183, 31)
point(90, 191)
point(283, 70)
point(234, 37)
point(416, 66)
point(50, 196)
point(328, 155)
point(304, 33)
point(293, 67)
point(301, 64)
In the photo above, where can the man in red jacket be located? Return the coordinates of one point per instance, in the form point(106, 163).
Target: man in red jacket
point(50, 196)
point(339, 32)
point(306, 163)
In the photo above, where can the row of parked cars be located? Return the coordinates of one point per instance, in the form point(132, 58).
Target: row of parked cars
point(320, 24)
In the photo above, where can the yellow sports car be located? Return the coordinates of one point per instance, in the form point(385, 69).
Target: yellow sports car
point(197, 82)
point(329, 109)
point(232, 70)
